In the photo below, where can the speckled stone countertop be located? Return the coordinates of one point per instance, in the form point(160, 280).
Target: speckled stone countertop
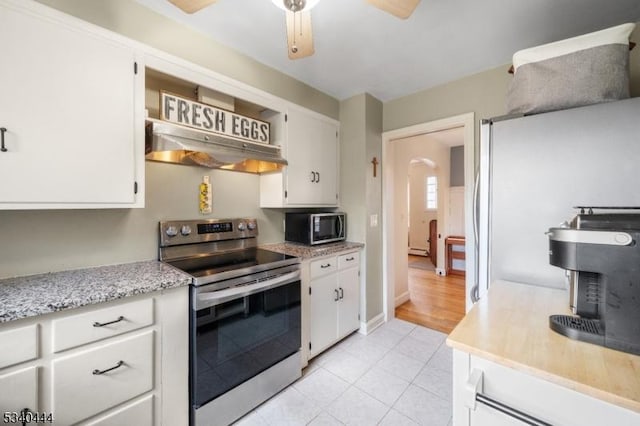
point(32, 295)
point(307, 252)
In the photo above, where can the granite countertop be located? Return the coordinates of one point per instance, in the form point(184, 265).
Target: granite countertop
point(41, 294)
point(511, 327)
point(307, 252)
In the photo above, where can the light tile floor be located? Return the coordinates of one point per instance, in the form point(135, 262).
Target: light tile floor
point(398, 375)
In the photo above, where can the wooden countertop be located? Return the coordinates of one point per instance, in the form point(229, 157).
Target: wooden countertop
point(510, 327)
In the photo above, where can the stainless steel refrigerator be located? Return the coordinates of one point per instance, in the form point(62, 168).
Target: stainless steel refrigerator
point(533, 170)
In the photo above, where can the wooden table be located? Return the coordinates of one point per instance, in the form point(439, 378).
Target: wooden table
point(453, 251)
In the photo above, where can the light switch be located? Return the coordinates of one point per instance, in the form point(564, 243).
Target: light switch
point(373, 220)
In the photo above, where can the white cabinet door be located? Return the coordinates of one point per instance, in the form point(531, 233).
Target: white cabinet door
point(67, 105)
point(300, 178)
point(349, 303)
point(19, 390)
point(311, 151)
point(323, 315)
point(326, 162)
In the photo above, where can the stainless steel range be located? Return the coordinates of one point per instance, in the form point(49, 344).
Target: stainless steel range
point(245, 315)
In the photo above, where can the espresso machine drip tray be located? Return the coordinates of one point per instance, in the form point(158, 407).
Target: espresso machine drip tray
point(584, 329)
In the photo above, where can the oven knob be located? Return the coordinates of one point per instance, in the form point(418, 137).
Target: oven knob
point(185, 230)
point(172, 231)
point(251, 226)
point(241, 226)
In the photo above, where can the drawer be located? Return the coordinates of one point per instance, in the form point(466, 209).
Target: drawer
point(544, 400)
point(23, 385)
point(18, 345)
point(100, 324)
point(79, 392)
point(140, 413)
point(348, 260)
point(323, 266)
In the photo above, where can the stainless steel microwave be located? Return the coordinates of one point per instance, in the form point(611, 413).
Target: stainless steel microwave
point(315, 228)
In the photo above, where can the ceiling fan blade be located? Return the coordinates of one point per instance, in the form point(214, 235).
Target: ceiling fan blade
point(299, 34)
point(400, 8)
point(192, 6)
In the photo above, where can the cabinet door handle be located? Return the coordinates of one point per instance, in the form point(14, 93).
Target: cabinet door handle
point(349, 259)
point(2, 132)
point(313, 177)
point(97, 372)
point(337, 295)
point(325, 266)
point(341, 293)
point(102, 324)
point(318, 180)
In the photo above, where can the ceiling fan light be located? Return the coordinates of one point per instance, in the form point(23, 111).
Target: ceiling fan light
point(291, 4)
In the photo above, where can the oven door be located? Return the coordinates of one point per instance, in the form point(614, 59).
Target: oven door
point(241, 331)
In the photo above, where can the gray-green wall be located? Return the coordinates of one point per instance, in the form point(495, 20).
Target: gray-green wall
point(483, 93)
point(35, 241)
point(361, 192)
point(456, 168)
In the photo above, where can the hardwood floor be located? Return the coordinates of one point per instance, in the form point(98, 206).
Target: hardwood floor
point(435, 302)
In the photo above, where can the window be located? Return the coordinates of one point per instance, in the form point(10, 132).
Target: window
point(432, 192)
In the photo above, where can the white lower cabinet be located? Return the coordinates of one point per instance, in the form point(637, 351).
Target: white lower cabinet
point(124, 362)
point(334, 300)
point(524, 393)
point(19, 390)
point(89, 382)
point(139, 413)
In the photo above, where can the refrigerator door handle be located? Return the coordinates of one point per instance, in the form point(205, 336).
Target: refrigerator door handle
point(474, 212)
point(473, 293)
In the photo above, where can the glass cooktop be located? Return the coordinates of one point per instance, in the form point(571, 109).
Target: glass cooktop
point(231, 264)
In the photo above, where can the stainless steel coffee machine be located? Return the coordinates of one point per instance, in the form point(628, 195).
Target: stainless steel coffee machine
point(601, 251)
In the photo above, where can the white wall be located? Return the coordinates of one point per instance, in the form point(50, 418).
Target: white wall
point(403, 151)
point(419, 216)
point(456, 211)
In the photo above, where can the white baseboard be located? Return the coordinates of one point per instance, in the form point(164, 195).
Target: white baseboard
point(417, 251)
point(441, 272)
point(404, 297)
point(372, 324)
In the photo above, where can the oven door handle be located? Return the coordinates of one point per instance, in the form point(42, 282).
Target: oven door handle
point(213, 298)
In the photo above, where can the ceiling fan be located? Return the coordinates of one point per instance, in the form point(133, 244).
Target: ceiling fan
point(298, 18)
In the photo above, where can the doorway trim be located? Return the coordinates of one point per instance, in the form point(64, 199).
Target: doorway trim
point(467, 121)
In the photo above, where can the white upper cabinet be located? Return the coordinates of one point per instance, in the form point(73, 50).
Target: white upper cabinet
point(311, 178)
point(70, 105)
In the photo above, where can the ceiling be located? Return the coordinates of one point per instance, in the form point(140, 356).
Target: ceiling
point(361, 49)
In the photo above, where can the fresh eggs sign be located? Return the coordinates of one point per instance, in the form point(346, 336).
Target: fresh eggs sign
point(211, 119)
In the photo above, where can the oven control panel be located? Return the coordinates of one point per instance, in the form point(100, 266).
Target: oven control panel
point(178, 232)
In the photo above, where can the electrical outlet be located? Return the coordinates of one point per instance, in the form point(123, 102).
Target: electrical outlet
point(373, 220)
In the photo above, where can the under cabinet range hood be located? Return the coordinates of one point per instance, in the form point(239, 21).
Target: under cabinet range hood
point(172, 143)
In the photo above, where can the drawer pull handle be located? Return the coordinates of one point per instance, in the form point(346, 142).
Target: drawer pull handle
point(102, 324)
point(325, 266)
point(510, 411)
point(473, 394)
point(97, 372)
point(349, 259)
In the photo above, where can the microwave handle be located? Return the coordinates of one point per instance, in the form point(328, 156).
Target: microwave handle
point(341, 227)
